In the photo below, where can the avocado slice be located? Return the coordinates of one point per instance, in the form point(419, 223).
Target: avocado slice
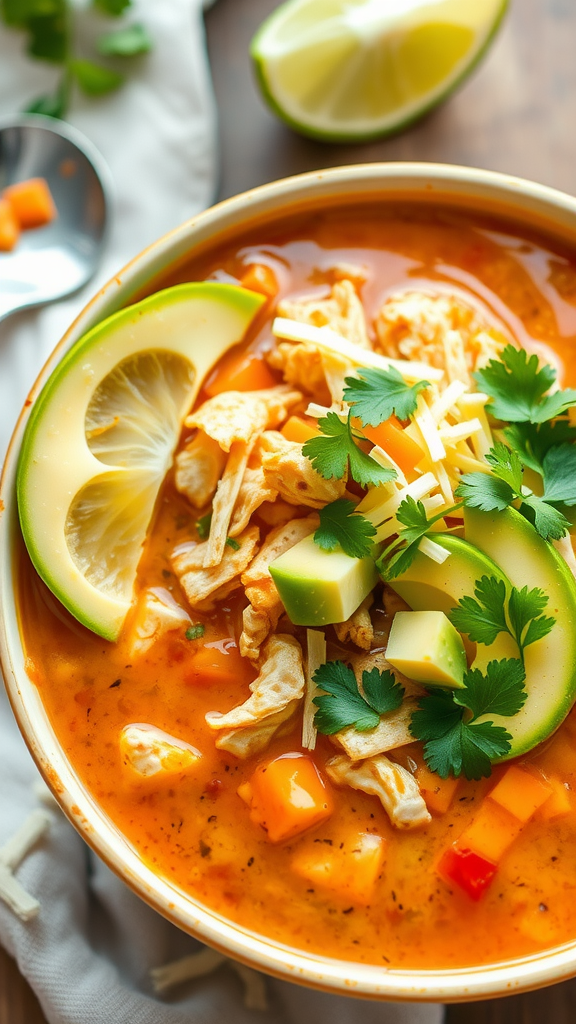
point(428, 585)
point(426, 647)
point(507, 546)
point(529, 560)
point(319, 587)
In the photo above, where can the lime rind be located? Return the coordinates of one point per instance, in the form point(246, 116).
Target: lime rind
point(195, 322)
point(403, 117)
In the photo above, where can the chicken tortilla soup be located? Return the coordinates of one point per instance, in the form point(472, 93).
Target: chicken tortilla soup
point(298, 589)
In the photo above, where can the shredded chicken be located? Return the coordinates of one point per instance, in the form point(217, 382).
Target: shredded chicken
point(265, 607)
point(275, 695)
point(301, 367)
point(341, 312)
point(243, 743)
point(440, 330)
point(393, 731)
point(149, 750)
point(253, 492)
point(158, 613)
point(235, 419)
point(395, 787)
point(292, 474)
point(199, 467)
point(242, 415)
point(276, 513)
point(358, 629)
point(205, 586)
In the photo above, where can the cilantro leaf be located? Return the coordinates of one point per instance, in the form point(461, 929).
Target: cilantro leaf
point(125, 42)
point(455, 744)
point(336, 451)
point(400, 553)
point(233, 543)
point(493, 613)
point(483, 491)
point(195, 631)
point(203, 525)
point(377, 394)
point(497, 491)
point(48, 37)
point(342, 704)
point(533, 440)
point(547, 520)
point(524, 611)
point(499, 691)
point(559, 472)
point(518, 386)
point(341, 524)
point(382, 691)
point(482, 619)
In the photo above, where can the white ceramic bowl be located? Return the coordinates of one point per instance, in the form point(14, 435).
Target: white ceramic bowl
point(529, 204)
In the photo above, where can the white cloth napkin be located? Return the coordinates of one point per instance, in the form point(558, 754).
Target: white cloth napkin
point(90, 950)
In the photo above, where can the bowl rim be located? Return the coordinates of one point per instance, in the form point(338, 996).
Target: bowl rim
point(534, 205)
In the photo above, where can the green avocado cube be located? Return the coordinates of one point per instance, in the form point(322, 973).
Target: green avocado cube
point(426, 647)
point(319, 587)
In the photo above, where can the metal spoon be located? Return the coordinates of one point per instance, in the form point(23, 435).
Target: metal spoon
point(51, 262)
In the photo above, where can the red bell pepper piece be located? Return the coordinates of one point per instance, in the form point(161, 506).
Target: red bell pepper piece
point(468, 870)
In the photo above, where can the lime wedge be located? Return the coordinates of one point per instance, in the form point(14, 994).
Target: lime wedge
point(352, 70)
point(101, 437)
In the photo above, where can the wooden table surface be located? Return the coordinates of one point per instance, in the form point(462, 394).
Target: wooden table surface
point(517, 114)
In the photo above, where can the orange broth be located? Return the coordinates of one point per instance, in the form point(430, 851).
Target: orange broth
point(194, 829)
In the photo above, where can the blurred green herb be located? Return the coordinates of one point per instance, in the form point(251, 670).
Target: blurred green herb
point(49, 28)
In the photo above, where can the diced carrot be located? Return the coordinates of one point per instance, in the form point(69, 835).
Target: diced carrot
point(9, 227)
point(438, 793)
point(219, 662)
point(260, 278)
point(391, 436)
point(521, 793)
point(31, 201)
point(492, 831)
point(287, 796)
point(558, 803)
point(297, 429)
point(244, 372)
point(468, 870)
point(351, 869)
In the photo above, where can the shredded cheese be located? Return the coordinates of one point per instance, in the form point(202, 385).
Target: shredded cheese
point(434, 551)
point(429, 430)
point(383, 459)
point(473, 406)
point(324, 337)
point(316, 645)
point(444, 404)
point(451, 435)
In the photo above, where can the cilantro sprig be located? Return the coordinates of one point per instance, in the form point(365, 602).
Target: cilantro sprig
point(491, 611)
point(343, 704)
point(447, 721)
point(340, 524)
point(504, 486)
point(401, 552)
point(51, 30)
point(518, 388)
point(376, 395)
point(335, 453)
point(533, 441)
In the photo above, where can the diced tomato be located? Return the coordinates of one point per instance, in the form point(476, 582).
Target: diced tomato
point(391, 436)
point(260, 278)
point(219, 662)
point(299, 430)
point(287, 796)
point(244, 372)
point(468, 870)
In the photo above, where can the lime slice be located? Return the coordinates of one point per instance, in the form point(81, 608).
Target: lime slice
point(352, 70)
point(102, 435)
